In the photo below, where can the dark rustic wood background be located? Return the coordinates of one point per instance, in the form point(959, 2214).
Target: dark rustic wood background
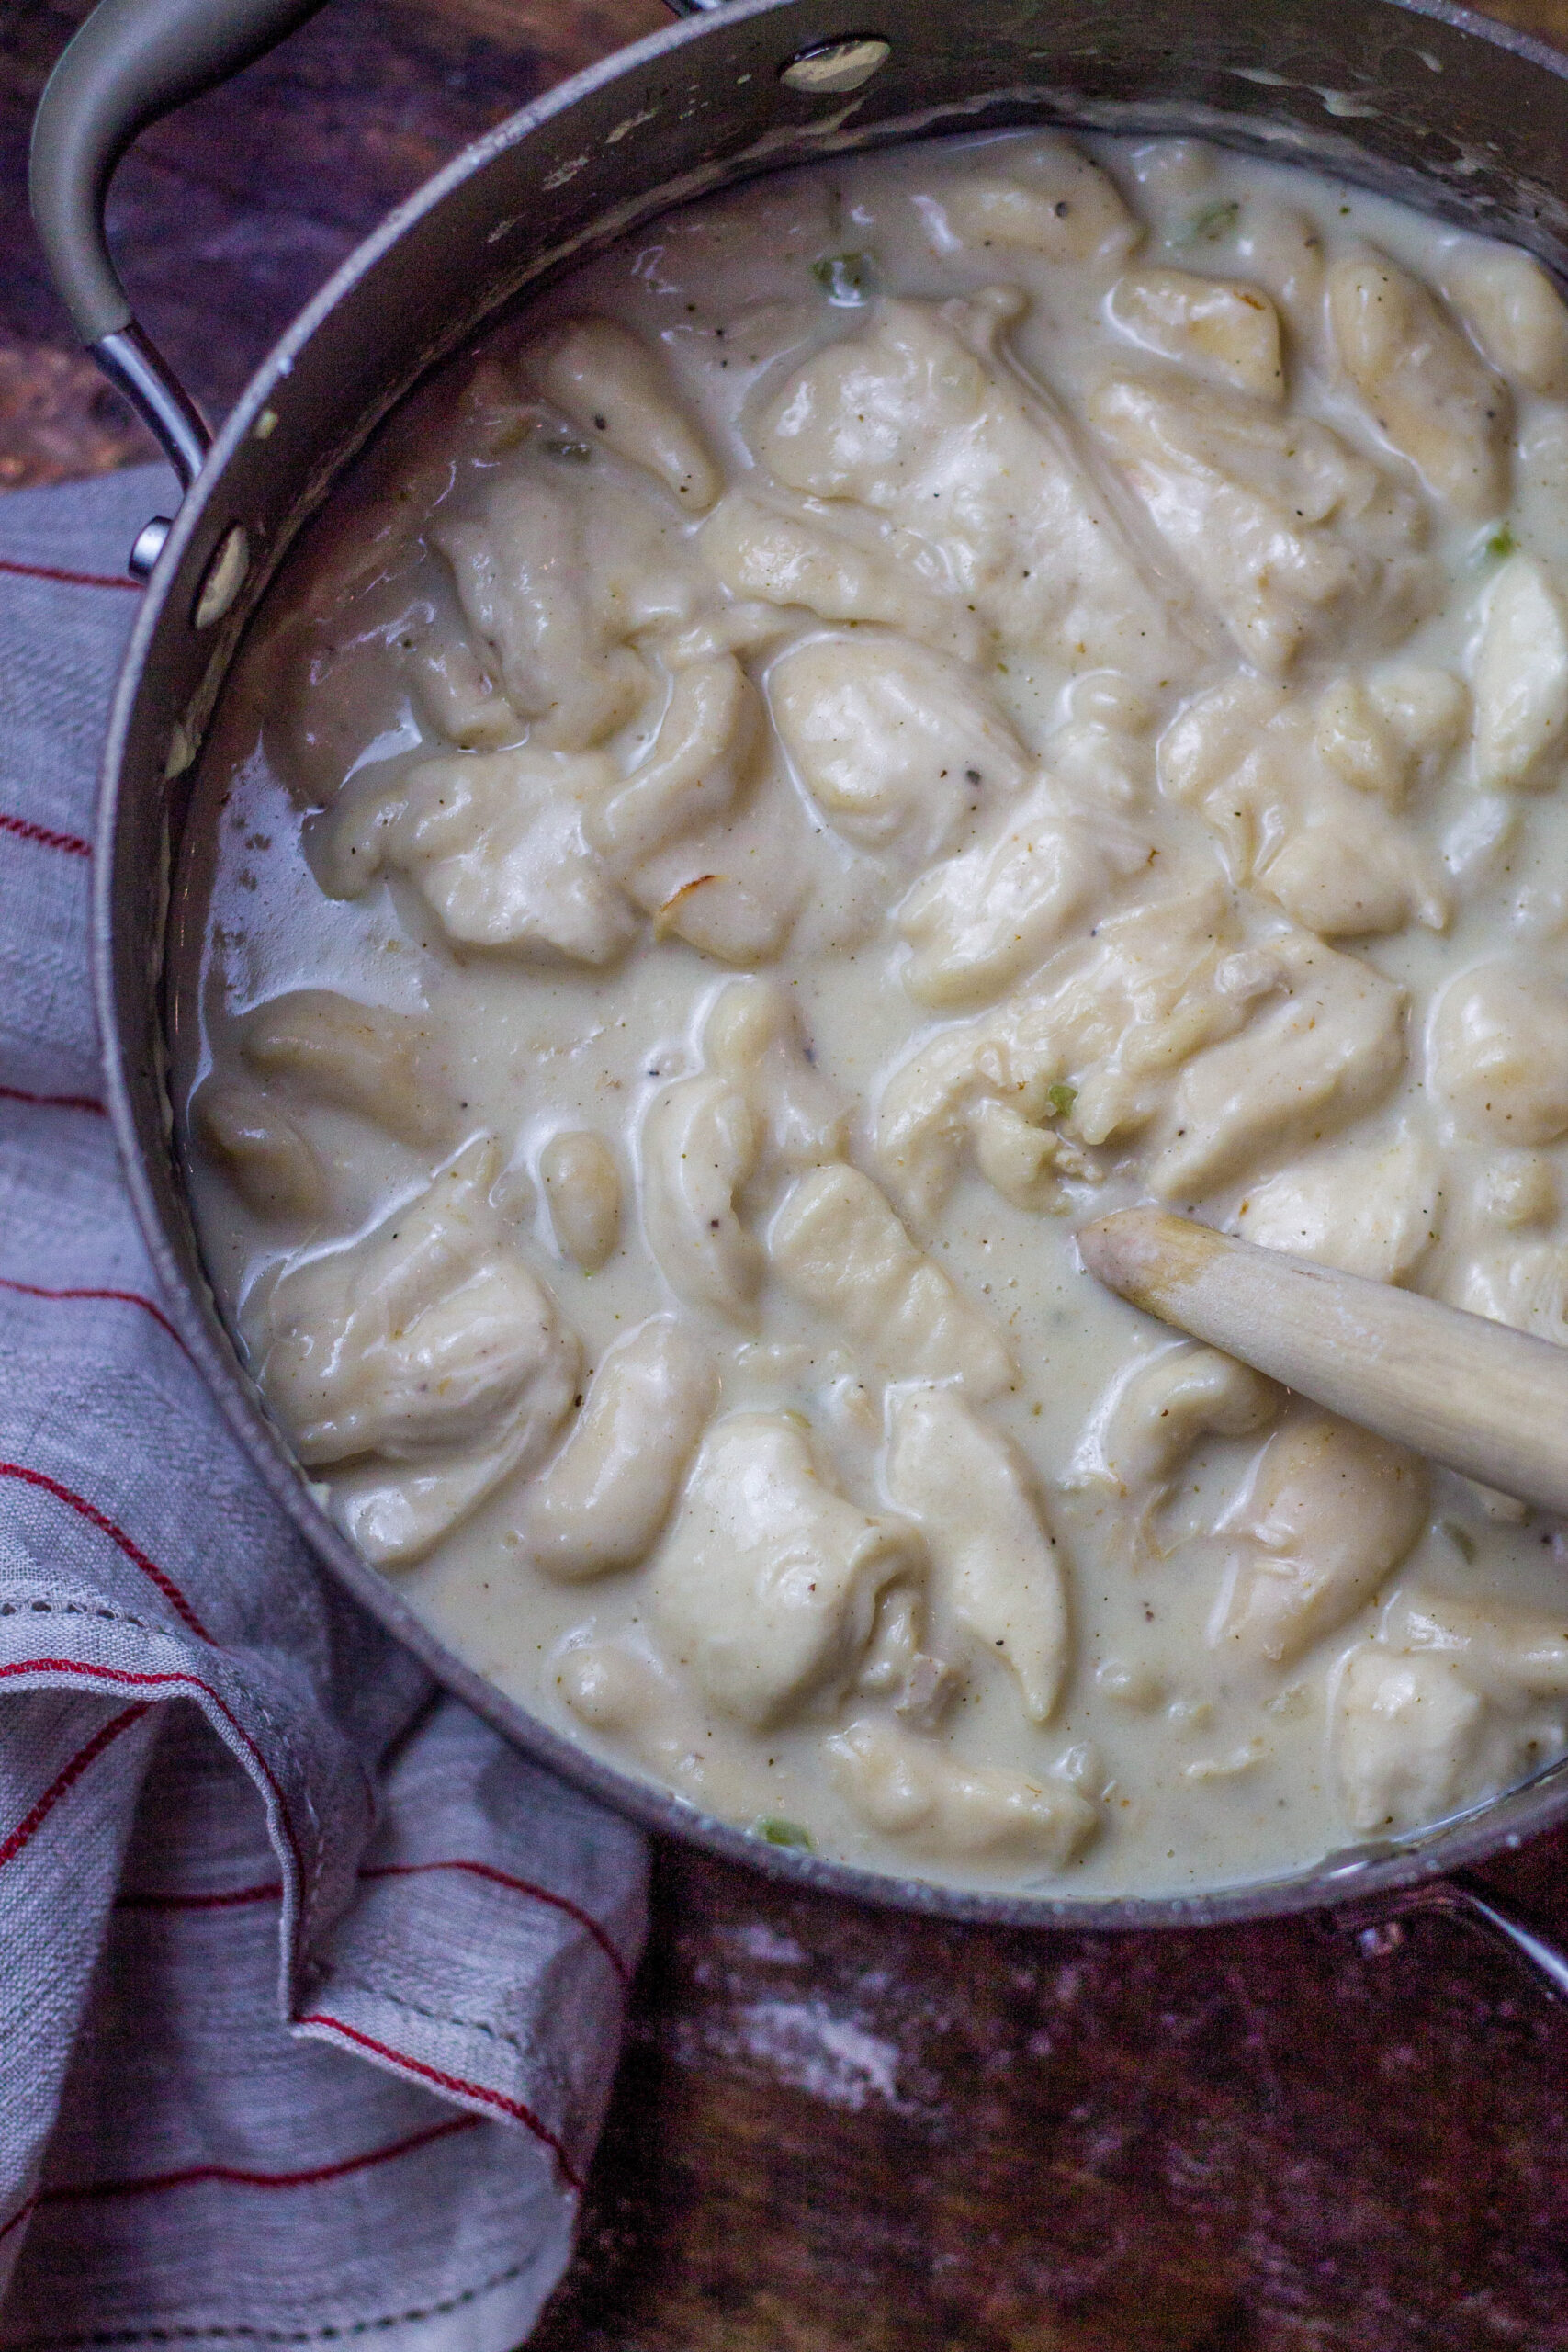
point(838, 2129)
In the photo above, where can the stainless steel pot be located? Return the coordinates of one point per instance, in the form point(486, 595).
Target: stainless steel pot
point(1415, 98)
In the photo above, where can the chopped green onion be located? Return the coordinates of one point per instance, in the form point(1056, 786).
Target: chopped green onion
point(1063, 1097)
point(775, 1830)
point(1502, 543)
point(1212, 223)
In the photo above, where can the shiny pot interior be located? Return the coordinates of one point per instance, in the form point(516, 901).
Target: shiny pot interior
point(1412, 98)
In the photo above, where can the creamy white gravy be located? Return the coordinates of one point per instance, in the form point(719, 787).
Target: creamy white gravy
point(901, 709)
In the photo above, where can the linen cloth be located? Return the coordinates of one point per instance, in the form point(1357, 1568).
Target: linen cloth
point(310, 1985)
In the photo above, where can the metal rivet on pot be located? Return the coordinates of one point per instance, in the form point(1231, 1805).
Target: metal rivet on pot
point(150, 544)
point(829, 68)
point(225, 576)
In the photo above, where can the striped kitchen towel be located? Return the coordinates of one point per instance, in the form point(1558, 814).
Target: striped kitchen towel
point(312, 1987)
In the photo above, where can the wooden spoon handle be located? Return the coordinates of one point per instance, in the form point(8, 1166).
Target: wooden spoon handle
point(1481, 1398)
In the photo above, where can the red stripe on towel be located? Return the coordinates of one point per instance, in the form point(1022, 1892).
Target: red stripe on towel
point(68, 579)
point(134, 1680)
point(457, 2086)
point(45, 836)
point(55, 1101)
point(517, 1886)
point(94, 2191)
point(133, 1551)
point(123, 1297)
point(38, 1814)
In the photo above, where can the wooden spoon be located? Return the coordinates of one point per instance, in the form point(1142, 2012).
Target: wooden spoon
point(1482, 1398)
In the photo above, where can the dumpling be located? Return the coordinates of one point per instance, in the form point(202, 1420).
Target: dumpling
point(979, 921)
point(1454, 1702)
point(765, 1589)
point(382, 1066)
point(1516, 314)
point(1500, 1053)
point(270, 1163)
point(1152, 1421)
point(837, 1245)
point(582, 1188)
point(1409, 1736)
point(1370, 1209)
point(427, 1347)
point(995, 1563)
point(1524, 1286)
point(1330, 1513)
point(1216, 327)
point(1521, 680)
point(1390, 729)
point(727, 919)
point(754, 1041)
point(785, 560)
point(1249, 756)
point(1427, 389)
point(611, 386)
point(605, 1496)
point(706, 744)
point(1302, 1069)
point(526, 590)
point(893, 744)
point(1096, 1041)
point(454, 691)
point(700, 1142)
point(1047, 198)
point(669, 832)
point(908, 1788)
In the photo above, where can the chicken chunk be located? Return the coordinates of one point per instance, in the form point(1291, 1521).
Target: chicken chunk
point(426, 1345)
point(1278, 524)
point(497, 844)
point(920, 421)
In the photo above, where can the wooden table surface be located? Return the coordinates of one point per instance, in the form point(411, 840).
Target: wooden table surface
point(841, 2130)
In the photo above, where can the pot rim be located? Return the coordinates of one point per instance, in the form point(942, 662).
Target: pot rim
point(1358, 1875)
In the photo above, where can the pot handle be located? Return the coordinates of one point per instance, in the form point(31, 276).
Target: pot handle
point(132, 61)
point(1461, 1896)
